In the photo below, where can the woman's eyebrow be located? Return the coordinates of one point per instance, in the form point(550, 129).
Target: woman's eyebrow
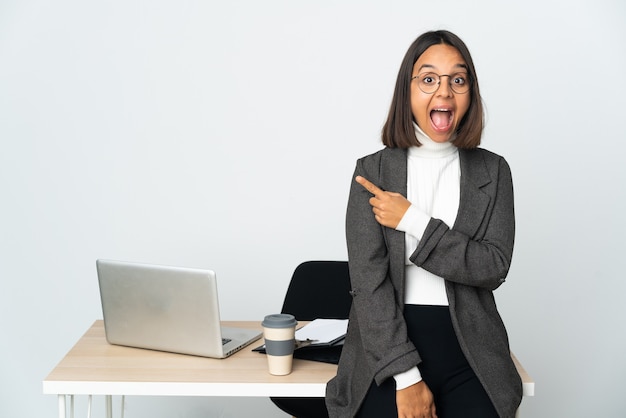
point(432, 67)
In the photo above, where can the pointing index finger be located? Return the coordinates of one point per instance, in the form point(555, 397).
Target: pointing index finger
point(371, 187)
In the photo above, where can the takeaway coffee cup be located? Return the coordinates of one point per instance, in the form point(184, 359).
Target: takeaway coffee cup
point(279, 333)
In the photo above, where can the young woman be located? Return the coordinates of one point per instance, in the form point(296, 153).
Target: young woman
point(430, 229)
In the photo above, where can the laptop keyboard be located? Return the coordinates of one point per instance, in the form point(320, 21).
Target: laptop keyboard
point(226, 341)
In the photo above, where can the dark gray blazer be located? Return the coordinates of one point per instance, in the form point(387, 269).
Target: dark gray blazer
point(473, 257)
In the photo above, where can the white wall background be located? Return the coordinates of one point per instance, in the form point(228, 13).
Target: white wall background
point(224, 134)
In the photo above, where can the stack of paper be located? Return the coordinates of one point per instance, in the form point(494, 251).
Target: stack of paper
point(323, 332)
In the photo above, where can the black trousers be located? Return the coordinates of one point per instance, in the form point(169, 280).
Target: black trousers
point(456, 389)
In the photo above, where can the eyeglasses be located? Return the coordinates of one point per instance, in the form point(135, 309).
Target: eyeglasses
point(429, 82)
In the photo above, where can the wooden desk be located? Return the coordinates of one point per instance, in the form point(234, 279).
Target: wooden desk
point(95, 367)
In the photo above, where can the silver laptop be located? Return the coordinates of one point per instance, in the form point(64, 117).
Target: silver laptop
point(165, 308)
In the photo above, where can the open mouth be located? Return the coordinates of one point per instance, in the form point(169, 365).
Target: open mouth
point(441, 119)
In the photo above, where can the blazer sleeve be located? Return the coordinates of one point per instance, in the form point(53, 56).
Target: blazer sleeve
point(376, 301)
point(475, 255)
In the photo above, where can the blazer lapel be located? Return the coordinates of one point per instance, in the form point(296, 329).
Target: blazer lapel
point(393, 170)
point(393, 178)
point(473, 201)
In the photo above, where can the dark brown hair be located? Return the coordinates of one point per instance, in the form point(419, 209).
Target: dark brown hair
point(399, 131)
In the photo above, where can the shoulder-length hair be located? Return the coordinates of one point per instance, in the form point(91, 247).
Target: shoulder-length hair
point(398, 131)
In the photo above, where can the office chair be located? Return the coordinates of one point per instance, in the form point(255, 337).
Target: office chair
point(318, 289)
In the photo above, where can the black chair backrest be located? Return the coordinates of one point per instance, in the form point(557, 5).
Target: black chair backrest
point(319, 289)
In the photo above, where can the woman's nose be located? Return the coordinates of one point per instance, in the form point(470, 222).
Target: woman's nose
point(444, 88)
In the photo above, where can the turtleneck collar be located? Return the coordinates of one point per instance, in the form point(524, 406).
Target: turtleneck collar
point(430, 148)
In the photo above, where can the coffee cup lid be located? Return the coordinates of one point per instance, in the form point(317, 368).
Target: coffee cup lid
point(279, 321)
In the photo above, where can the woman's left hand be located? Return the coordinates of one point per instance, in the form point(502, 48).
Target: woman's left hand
point(416, 401)
point(388, 207)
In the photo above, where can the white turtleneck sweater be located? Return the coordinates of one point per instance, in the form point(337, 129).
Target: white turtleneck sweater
point(433, 188)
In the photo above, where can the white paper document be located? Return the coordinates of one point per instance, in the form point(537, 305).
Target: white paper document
point(323, 331)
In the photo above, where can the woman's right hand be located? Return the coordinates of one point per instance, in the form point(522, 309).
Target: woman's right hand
point(416, 401)
point(388, 207)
